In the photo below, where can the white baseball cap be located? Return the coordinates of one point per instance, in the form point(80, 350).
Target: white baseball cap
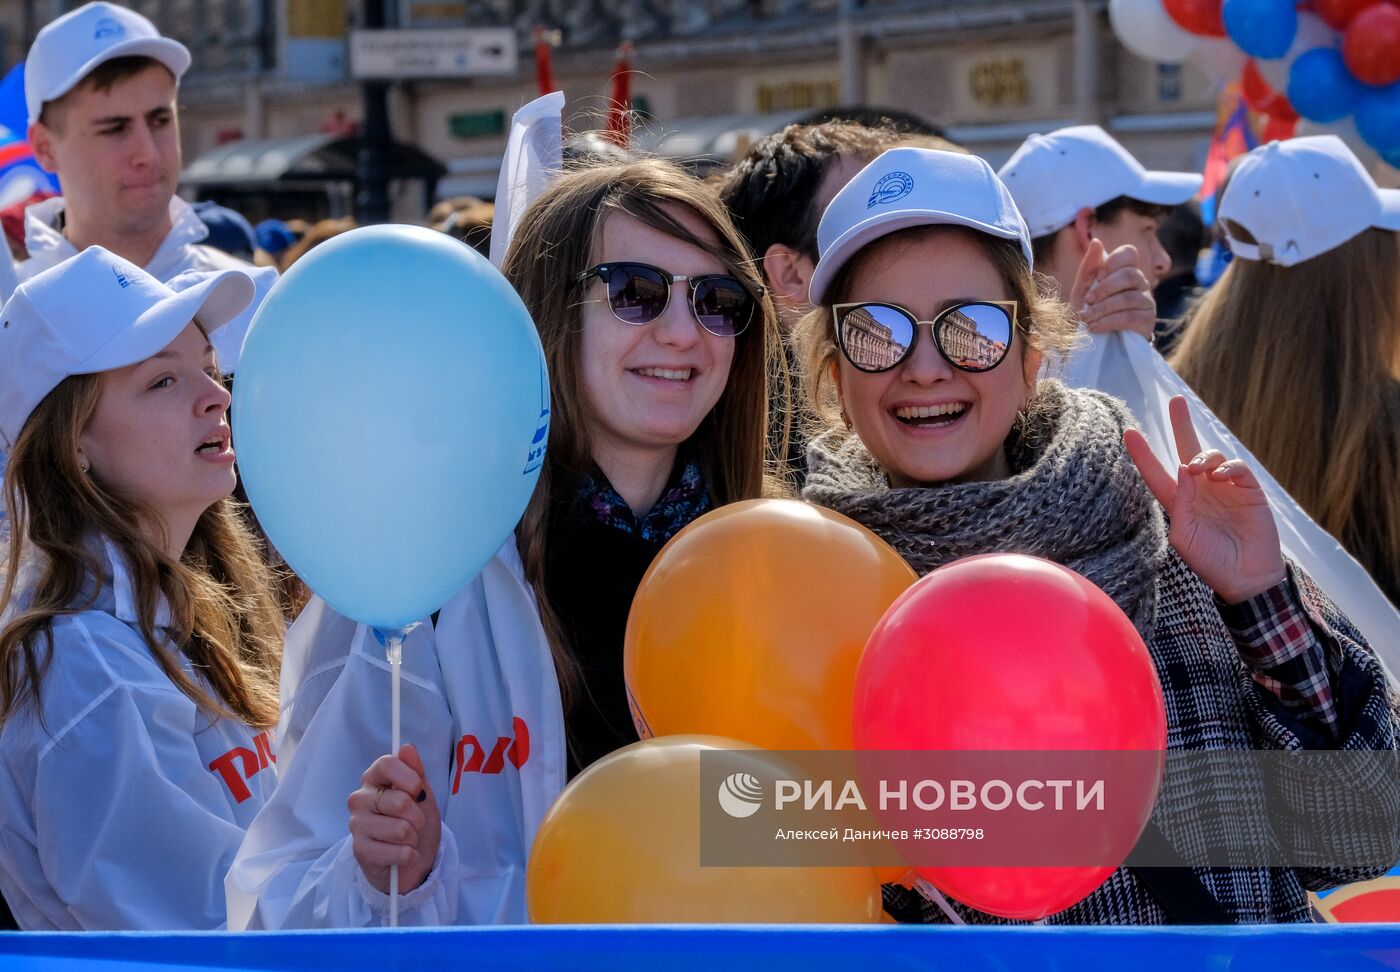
point(71, 47)
point(1052, 177)
point(1300, 198)
point(907, 187)
point(228, 339)
point(95, 312)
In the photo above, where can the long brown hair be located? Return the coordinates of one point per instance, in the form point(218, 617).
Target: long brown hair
point(223, 614)
point(1298, 361)
point(556, 240)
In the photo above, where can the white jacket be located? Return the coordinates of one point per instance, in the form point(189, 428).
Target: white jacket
point(181, 249)
point(124, 807)
point(480, 701)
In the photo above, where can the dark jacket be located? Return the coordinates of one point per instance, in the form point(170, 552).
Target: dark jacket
point(598, 552)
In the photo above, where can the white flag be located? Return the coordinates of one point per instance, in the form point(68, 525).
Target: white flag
point(1127, 367)
point(534, 156)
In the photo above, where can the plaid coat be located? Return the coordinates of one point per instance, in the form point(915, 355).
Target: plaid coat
point(1215, 701)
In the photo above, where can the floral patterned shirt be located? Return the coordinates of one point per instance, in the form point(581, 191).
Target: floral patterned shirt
point(684, 498)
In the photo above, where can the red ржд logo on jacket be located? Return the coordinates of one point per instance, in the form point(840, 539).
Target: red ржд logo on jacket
point(241, 763)
point(470, 757)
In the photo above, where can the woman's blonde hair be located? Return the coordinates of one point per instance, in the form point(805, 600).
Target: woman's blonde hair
point(1045, 322)
point(557, 239)
point(224, 618)
point(1298, 362)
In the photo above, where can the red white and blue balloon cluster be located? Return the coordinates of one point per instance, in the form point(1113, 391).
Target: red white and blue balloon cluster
point(1333, 63)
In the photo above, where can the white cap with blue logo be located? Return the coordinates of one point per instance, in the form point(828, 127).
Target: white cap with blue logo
point(73, 46)
point(95, 312)
point(906, 187)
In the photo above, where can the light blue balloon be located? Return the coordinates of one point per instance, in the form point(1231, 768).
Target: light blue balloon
point(1320, 86)
point(390, 416)
point(1378, 119)
point(1261, 28)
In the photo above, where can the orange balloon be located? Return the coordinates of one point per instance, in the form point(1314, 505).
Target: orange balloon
point(751, 621)
point(621, 844)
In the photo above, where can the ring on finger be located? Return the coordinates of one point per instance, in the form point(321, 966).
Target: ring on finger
point(378, 795)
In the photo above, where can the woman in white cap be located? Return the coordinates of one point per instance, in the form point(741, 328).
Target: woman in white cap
point(140, 638)
point(659, 343)
point(922, 355)
point(1310, 303)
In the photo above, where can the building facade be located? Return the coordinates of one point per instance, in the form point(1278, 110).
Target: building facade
point(709, 75)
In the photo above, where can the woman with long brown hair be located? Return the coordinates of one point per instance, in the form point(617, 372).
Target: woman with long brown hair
point(140, 639)
point(1297, 348)
point(659, 342)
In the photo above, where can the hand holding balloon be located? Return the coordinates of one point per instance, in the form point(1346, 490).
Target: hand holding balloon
point(394, 820)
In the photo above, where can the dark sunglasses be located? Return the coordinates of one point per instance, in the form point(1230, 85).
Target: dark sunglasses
point(972, 336)
point(638, 294)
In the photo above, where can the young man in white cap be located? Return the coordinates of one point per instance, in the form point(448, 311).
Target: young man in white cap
point(1093, 213)
point(100, 84)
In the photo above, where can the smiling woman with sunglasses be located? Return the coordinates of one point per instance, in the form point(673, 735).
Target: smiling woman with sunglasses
point(659, 341)
point(659, 345)
point(922, 356)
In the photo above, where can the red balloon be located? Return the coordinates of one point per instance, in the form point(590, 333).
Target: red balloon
point(1014, 654)
point(1371, 45)
point(1339, 13)
point(1197, 16)
point(1259, 96)
point(1279, 129)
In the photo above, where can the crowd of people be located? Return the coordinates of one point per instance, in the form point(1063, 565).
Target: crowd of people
point(874, 322)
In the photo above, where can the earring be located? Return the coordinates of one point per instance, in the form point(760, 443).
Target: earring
point(83, 465)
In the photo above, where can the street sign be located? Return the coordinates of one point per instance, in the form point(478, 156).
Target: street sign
point(462, 53)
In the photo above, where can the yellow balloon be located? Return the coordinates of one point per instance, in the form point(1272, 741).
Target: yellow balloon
point(750, 622)
point(621, 844)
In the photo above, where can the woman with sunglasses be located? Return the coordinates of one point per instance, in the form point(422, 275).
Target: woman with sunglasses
point(926, 342)
point(659, 342)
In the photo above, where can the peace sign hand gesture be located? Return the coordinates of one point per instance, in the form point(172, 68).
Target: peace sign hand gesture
point(1221, 524)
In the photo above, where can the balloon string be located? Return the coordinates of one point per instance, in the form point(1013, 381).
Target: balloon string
point(395, 650)
point(936, 896)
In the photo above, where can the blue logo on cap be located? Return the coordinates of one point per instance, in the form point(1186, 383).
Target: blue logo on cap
point(107, 27)
point(892, 187)
point(122, 278)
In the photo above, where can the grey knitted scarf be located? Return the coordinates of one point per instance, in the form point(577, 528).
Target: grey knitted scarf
point(1074, 497)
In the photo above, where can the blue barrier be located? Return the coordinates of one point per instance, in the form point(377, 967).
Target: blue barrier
point(680, 948)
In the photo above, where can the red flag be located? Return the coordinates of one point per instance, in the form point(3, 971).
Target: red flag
point(1279, 129)
point(1233, 136)
point(544, 61)
point(620, 106)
